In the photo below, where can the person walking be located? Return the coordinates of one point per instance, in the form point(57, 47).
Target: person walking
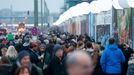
point(11, 54)
point(111, 59)
point(10, 37)
point(23, 59)
point(56, 66)
point(127, 51)
point(5, 65)
point(44, 57)
point(33, 54)
point(79, 63)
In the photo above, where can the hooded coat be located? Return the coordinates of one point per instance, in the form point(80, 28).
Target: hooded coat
point(111, 60)
point(46, 58)
point(33, 57)
point(127, 53)
point(56, 66)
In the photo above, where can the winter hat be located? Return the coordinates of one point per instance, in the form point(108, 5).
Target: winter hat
point(58, 40)
point(26, 39)
point(57, 47)
point(73, 40)
point(22, 54)
point(46, 42)
point(45, 36)
point(42, 45)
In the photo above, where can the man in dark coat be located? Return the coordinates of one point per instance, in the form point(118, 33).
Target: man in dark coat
point(127, 51)
point(44, 57)
point(23, 59)
point(56, 66)
point(5, 65)
point(33, 55)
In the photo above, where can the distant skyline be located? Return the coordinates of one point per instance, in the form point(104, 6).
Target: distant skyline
point(25, 5)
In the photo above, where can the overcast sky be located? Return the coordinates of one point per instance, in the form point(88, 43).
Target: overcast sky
point(24, 5)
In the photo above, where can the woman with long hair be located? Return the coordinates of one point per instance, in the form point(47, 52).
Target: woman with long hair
point(11, 53)
point(24, 70)
point(96, 60)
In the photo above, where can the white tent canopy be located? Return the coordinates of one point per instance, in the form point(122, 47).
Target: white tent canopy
point(78, 10)
point(123, 3)
point(126, 3)
point(131, 3)
point(94, 7)
point(105, 5)
point(116, 4)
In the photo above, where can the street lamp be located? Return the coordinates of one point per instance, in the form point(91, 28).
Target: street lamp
point(11, 13)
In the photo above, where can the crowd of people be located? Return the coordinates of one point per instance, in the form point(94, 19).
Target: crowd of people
point(57, 53)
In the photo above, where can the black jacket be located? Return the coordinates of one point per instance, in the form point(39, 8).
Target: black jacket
point(5, 68)
point(44, 61)
point(33, 57)
point(98, 69)
point(56, 67)
point(127, 53)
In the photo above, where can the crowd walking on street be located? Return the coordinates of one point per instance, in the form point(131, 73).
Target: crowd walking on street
point(62, 53)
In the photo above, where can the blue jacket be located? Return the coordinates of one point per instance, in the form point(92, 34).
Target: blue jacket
point(111, 59)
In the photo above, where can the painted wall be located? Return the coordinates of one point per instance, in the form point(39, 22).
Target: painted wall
point(124, 26)
point(103, 27)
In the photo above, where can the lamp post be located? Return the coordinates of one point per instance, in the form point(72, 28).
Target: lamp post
point(35, 12)
point(45, 12)
point(41, 15)
point(11, 14)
